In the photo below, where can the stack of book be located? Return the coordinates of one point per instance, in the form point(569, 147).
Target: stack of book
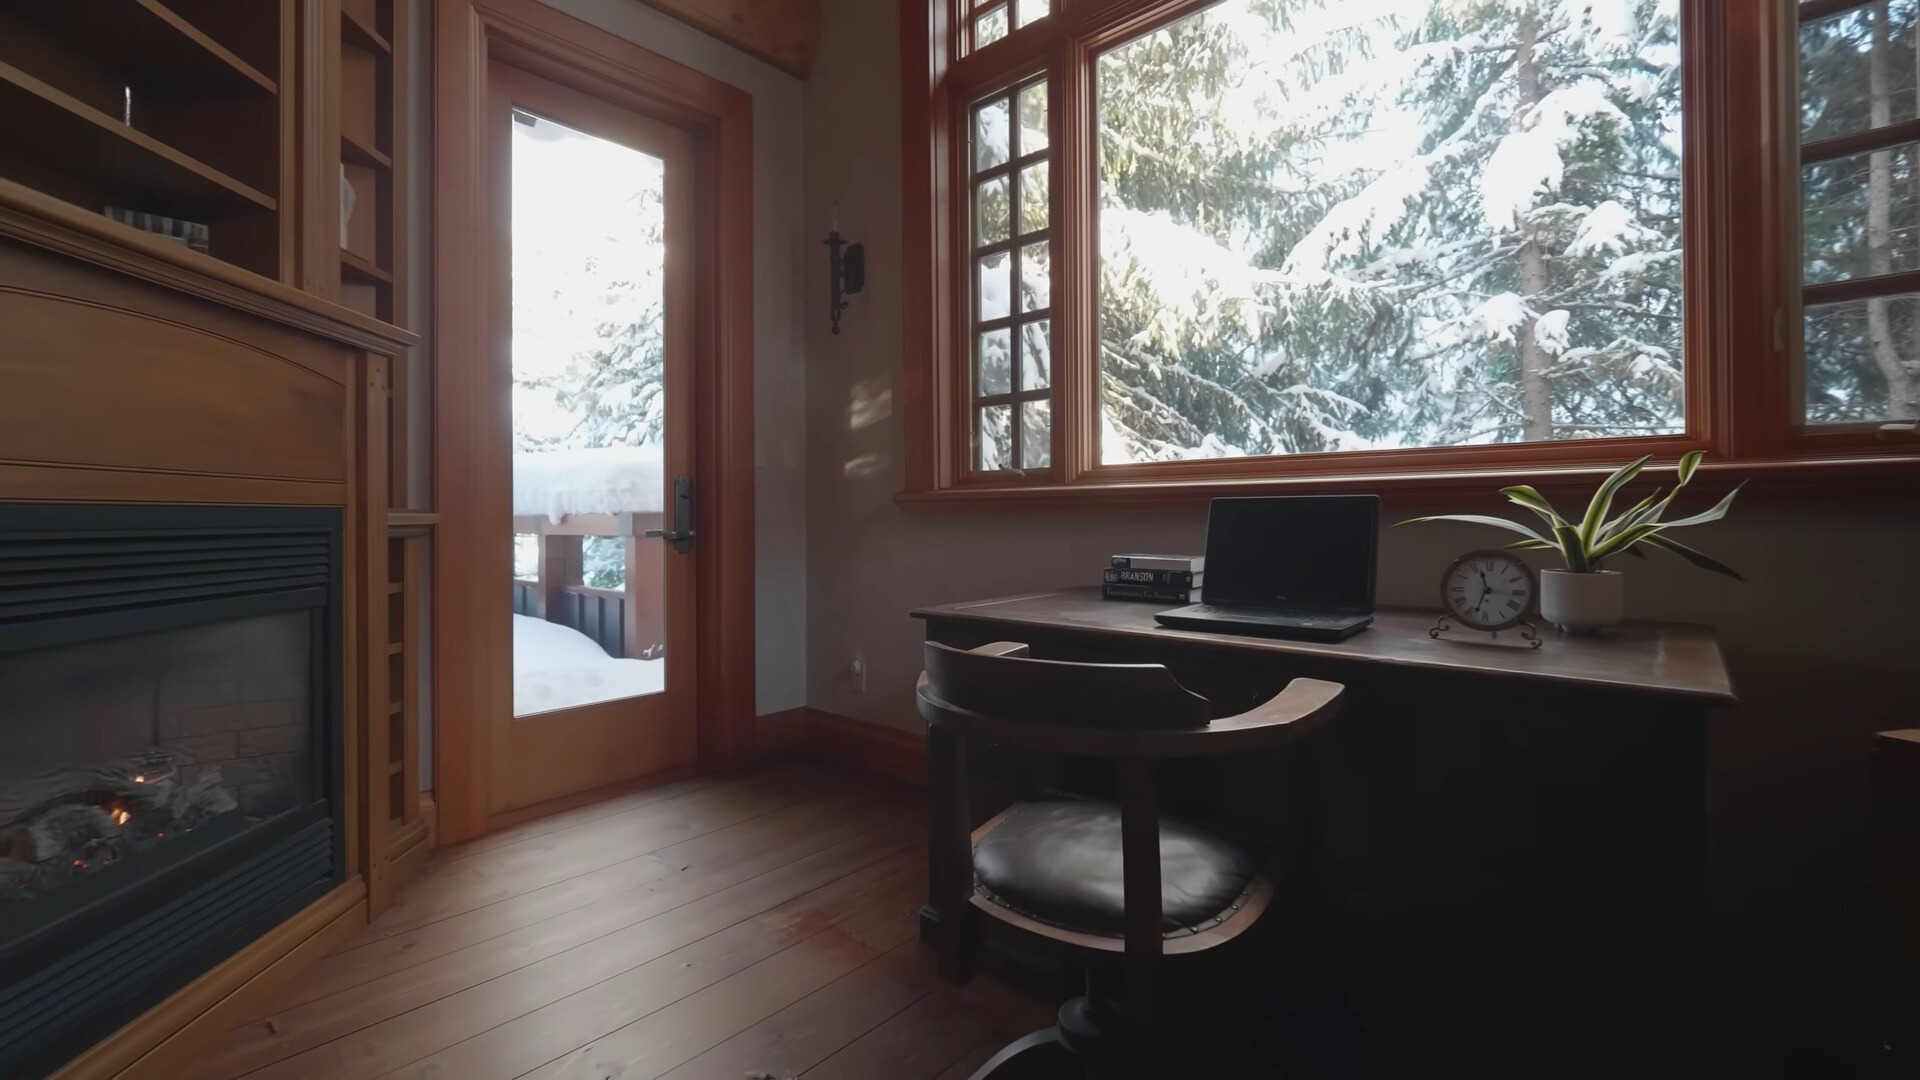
point(1165, 579)
point(188, 234)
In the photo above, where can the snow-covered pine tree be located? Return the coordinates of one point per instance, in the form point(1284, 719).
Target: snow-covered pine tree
point(1329, 226)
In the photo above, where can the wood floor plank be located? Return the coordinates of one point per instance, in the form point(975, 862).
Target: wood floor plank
point(768, 928)
point(916, 1044)
point(968, 1063)
point(929, 1037)
point(500, 875)
point(529, 1041)
point(636, 887)
point(586, 817)
point(415, 1012)
point(663, 1039)
point(817, 1026)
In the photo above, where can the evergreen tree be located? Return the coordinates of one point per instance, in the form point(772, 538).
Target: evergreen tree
point(1409, 224)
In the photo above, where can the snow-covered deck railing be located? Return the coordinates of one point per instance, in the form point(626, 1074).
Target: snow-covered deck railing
point(555, 484)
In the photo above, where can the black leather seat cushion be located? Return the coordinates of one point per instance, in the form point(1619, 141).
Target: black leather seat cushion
point(1059, 862)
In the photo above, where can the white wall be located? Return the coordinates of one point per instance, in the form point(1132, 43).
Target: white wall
point(1824, 643)
point(780, 486)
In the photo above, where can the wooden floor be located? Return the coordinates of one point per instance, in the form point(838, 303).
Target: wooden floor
point(713, 928)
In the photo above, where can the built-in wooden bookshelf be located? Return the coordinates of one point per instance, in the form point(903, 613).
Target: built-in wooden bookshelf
point(370, 45)
point(172, 109)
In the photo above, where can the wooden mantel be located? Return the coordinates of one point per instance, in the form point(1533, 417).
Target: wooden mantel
point(785, 33)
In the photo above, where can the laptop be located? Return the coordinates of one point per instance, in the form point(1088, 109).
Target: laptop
point(1293, 566)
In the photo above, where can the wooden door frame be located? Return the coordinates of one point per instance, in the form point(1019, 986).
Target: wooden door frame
point(472, 646)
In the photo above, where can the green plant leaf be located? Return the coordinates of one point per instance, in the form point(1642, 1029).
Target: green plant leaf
point(1631, 517)
point(1571, 548)
point(1704, 562)
point(1603, 499)
point(1690, 461)
point(1480, 519)
point(1525, 495)
point(1624, 540)
point(1532, 545)
point(1719, 511)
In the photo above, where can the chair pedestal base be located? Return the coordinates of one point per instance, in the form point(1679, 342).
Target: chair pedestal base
point(1088, 1041)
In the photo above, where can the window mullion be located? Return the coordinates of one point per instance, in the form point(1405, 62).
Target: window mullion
point(1075, 285)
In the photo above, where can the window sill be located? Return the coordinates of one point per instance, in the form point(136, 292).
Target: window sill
point(1860, 479)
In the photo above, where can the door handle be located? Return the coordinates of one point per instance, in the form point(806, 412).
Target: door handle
point(681, 536)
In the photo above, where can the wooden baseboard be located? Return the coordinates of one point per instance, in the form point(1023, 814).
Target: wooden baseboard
point(504, 818)
point(408, 852)
point(158, 1043)
point(832, 737)
point(430, 813)
point(781, 734)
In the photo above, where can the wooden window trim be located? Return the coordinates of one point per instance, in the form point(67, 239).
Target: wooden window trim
point(1743, 290)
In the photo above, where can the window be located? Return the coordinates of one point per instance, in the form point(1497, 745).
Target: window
point(1860, 198)
point(1256, 240)
point(989, 18)
point(1438, 225)
point(1012, 336)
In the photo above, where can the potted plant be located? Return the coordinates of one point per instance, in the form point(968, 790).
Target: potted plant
point(1585, 596)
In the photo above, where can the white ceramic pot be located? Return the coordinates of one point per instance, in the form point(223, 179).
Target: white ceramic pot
point(1582, 603)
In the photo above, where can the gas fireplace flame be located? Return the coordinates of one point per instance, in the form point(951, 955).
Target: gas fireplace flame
point(121, 817)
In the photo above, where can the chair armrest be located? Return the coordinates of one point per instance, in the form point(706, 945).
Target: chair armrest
point(1304, 705)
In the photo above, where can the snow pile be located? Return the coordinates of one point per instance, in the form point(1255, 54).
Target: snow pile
point(556, 667)
point(605, 480)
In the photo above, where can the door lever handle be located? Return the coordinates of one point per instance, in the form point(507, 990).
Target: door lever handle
point(681, 539)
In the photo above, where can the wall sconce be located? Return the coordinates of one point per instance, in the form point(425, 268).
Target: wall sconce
point(846, 269)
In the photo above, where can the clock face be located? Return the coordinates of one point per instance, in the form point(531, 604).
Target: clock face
point(1488, 590)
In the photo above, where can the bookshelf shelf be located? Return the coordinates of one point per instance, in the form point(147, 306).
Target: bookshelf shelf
point(75, 139)
point(370, 46)
point(354, 267)
point(138, 42)
point(354, 150)
point(168, 114)
point(362, 34)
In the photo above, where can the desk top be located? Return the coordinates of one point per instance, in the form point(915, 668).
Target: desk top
point(1668, 659)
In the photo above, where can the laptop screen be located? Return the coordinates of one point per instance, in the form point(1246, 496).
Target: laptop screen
point(1307, 552)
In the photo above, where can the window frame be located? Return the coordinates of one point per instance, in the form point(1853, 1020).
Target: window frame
point(1797, 156)
point(1743, 334)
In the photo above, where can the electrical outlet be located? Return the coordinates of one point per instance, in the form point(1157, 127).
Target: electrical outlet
point(857, 675)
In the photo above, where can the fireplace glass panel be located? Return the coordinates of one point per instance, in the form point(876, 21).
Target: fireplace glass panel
point(127, 756)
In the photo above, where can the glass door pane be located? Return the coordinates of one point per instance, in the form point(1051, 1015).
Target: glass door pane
point(589, 417)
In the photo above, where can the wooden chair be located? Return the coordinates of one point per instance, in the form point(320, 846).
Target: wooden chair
point(1112, 885)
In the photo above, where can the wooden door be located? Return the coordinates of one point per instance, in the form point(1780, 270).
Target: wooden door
point(594, 214)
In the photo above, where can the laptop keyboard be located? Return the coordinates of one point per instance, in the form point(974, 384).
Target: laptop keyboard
point(1294, 618)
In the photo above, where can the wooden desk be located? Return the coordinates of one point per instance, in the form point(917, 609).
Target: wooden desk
point(1510, 843)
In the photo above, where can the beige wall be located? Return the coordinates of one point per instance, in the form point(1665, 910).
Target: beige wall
point(1824, 641)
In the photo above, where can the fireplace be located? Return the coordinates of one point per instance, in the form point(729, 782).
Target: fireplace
point(170, 740)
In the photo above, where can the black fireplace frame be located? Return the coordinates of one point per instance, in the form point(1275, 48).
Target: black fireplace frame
point(76, 573)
